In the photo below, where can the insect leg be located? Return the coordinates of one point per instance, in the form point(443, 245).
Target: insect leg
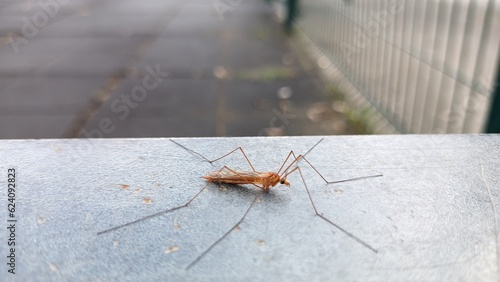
point(291, 153)
point(308, 151)
point(286, 159)
point(200, 256)
point(156, 214)
point(219, 158)
point(349, 234)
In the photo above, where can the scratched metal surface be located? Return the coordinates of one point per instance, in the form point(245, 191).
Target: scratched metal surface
point(433, 216)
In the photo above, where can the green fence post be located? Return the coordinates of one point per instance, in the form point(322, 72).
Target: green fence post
point(291, 14)
point(494, 119)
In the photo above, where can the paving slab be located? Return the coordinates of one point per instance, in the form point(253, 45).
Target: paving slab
point(27, 104)
point(184, 52)
point(166, 107)
point(46, 91)
point(24, 124)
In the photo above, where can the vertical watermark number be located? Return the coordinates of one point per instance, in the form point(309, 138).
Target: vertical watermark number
point(11, 220)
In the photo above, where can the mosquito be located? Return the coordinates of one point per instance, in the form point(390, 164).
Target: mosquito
point(262, 180)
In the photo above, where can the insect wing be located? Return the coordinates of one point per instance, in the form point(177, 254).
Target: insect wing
point(234, 177)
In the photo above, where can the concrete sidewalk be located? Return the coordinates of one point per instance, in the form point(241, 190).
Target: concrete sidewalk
point(154, 69)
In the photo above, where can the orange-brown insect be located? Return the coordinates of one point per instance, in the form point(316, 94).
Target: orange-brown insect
point(262, 180)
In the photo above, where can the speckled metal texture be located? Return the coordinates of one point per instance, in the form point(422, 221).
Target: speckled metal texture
point(433, 215)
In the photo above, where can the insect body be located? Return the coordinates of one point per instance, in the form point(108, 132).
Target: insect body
point(263, 180)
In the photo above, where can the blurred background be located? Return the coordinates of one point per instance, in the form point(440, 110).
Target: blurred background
point(186, 68)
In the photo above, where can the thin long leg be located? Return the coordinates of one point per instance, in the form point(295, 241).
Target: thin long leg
point(295, 159)
point(222, 237)
point(156, 214)
point(165, 211)
point(286, 159)
point(189, 150)
point(352, 236)
point(285, 173)
point(314, 146)
point(219, 158)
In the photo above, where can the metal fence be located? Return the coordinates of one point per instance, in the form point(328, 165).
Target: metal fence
point(428, 66)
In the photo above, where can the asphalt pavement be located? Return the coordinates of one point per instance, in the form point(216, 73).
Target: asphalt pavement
point(154, 68)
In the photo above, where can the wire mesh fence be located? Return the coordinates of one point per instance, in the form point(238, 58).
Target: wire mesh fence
point(427, 66)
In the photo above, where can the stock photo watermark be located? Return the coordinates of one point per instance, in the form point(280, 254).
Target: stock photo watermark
point(378, 20)
point(277, 123)
point(281, 117)
point(464, 110)
point(121, 106)
point(11, 220)
point(48, 9)
point(126, 102)
point(223, 6)
point(484, 88)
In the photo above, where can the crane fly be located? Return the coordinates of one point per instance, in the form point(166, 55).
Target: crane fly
point(262, 180)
